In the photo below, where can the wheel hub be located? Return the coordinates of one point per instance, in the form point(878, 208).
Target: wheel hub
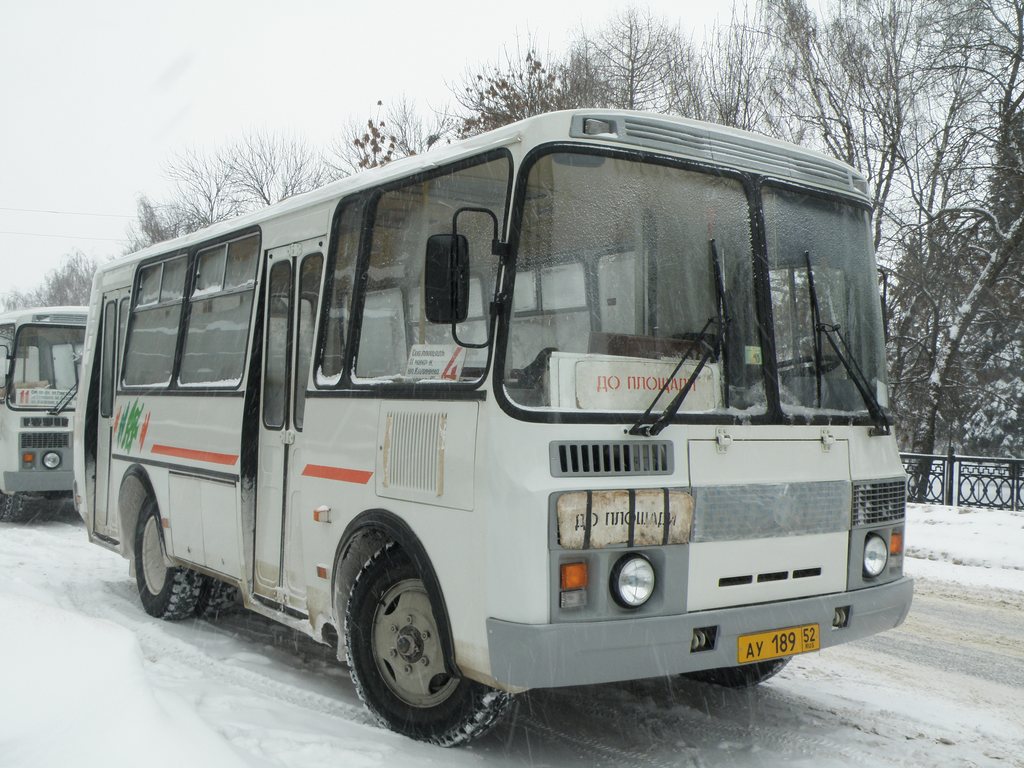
point(406, 649)
point(409, 644)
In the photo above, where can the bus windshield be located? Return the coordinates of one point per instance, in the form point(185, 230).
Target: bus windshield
point(821, 263)
point(45, 362)
point(624, 269)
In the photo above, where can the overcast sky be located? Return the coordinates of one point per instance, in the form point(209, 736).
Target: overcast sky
point(96, 97)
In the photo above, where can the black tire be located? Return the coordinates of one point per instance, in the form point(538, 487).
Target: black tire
point(13, 508)
point(404, 681)
point(166, 593)
point(216, 598)
point(746, 676)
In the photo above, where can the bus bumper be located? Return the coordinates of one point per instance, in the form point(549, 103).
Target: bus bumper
point(39, 481)
point(581, 653)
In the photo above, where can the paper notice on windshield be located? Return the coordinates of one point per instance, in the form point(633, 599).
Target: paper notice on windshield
point(608, 383)
point(435, 361)
point(40, 397)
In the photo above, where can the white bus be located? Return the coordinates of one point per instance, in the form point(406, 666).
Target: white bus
point(597, 396)
point(40, 351)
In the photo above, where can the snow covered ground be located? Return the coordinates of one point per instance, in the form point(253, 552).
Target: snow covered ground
point(88, 679)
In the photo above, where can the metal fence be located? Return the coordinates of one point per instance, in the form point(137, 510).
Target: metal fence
point(969, 481)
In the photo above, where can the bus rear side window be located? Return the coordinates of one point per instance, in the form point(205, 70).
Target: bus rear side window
point(217, 331)
point(154, 330)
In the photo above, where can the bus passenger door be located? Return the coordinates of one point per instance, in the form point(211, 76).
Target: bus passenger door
point(291, 292)
point(113, 321)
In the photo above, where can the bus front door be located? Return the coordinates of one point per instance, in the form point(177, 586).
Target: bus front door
point(292, 287)
point(113, 321)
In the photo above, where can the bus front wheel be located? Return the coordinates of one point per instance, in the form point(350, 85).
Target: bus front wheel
point(166, 592)
point(13, 508)
point(396, 660)
point(745, 676)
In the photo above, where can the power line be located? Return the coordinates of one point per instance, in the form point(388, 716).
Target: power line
point(68, 213)
point(66, 237)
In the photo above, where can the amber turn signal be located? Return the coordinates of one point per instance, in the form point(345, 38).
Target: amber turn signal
point(896, 543)
point(574, 576)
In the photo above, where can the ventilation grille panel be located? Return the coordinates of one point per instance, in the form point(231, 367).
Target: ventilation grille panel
point(67, 318)
point(42, 440)
point(879, 502)
point(33, 422)
point(728, 147)
point(581, 459)
point(414, 452)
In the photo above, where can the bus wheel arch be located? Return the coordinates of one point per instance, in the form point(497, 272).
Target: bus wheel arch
point(393, 646)
point(367, 534)
point(136, 488)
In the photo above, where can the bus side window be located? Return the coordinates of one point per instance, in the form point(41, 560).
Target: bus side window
point(276, 363)
point(403, 220)
point(309, 294)
point(217, 328)
point(151, 342)
point(338, 293)
point(107, 370)
point(382, 343)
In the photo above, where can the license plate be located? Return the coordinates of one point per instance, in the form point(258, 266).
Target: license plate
point(777, 643)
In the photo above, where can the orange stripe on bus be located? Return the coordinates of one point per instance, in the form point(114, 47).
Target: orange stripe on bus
point(187, 453)
point(337, 473)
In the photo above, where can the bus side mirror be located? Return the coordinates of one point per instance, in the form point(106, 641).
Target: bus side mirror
point(446, 279)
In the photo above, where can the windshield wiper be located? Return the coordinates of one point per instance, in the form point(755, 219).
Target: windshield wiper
point(815, 323)
point(64, 401)
point(849, 362)
point(640, 427)
point(721, 320)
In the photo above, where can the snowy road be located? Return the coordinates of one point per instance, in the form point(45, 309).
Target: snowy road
point(83, 668)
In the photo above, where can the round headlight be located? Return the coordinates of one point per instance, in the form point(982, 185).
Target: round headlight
point(632, 582)
point(51, 459)
point(876, 555)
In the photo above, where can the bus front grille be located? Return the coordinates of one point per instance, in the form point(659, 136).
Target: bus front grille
point(878, 502)
point(761, 511)
point(579, 459)
point(44, 440)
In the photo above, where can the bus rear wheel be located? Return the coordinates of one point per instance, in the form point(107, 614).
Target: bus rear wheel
point(745, 676)
point(216, 598)
point(396, 660)
point(166, 592)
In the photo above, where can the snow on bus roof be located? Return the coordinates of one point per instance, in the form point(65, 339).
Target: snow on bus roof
point(62, 314)
point(693, 139)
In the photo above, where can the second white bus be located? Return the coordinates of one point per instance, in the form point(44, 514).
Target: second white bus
point(40, 351)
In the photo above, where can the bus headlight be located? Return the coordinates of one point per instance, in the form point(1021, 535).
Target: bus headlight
point(51, 459)
point(876, 555)
point(632, 582)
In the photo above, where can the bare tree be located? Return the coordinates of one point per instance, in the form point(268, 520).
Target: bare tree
point(401, 131)
point(990, 235)
point(203, 188)
point(731, 80)
point(266, 168)
point(633, 54)
point(520, 87)
point(69, 284)
point(258, 170)
point(153, 224)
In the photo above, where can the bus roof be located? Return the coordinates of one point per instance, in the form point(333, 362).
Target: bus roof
point(694, 140)
point(55, 315)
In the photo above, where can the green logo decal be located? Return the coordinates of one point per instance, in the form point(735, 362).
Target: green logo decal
point(129, 425)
